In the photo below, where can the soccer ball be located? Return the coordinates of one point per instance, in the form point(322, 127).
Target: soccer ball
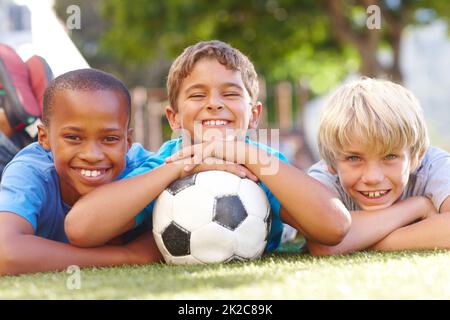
point(211, 217)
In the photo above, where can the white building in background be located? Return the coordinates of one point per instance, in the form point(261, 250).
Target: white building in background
point(425, 63)
point(31, 27)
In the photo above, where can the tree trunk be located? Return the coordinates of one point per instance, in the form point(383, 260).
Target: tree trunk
point(367, 42)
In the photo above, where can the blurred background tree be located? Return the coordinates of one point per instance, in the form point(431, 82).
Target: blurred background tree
point(300, 48)
point(318, 41)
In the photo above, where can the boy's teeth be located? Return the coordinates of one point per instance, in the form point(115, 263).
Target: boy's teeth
point(374, 194)
point(215, 122)
point(90, 173)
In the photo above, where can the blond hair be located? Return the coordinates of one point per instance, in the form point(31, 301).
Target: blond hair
point(228, 56)
point(376, 113)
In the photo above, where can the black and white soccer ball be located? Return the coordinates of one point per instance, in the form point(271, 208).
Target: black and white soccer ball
point(211, 217)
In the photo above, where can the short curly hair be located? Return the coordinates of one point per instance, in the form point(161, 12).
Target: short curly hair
point(83, 80)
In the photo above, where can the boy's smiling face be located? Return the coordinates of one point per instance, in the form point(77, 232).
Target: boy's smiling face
point(374, 181)
point(88, 136)
point(213, 100)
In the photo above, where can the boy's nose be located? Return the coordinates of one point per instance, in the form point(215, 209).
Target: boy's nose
point(373, 174)
point(212, 107)
point(92, 153)
point(215, 103)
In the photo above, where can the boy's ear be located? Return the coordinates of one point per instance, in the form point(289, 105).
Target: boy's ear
point(331, 169)
point(129, 138)
point(43, 137)
point(255, 115)
point(173, 117)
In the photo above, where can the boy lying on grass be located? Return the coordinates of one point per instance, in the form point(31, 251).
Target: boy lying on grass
point(84, 142)
point(377, 160)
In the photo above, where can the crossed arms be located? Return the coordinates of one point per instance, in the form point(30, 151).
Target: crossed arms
point(412, 224)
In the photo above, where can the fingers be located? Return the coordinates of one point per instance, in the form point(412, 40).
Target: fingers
point(218, 164)
point(210, 155)
point(195, 160)
point(197, 152)
point(183, 153)
point(189, 167)
point(249, 174)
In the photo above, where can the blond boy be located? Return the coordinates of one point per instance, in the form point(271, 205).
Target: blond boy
point(377, 160)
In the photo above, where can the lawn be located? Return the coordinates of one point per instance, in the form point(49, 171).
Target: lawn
point(284, 275)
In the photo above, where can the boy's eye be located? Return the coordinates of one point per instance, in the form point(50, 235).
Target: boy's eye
point(231, 94)
point(391, 157)
point(72, 137)
point(353, 158)
point(197, 96)
point(112, 139)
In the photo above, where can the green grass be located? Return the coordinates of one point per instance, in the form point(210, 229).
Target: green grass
point(285, 275)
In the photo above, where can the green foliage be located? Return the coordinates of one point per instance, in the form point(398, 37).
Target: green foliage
point(286, 39)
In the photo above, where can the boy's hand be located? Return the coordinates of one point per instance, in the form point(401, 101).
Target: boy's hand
point(143, 249)
point(219, 164)
point(420, 206)
point(231, 151)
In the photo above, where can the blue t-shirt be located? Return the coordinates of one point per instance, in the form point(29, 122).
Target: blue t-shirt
point(172, 146)
point(30, 188)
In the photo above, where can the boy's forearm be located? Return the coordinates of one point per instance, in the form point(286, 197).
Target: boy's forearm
point(110, 210)
point(309, 204)
point(431, 233)
point(29, 253)
point(369, 227)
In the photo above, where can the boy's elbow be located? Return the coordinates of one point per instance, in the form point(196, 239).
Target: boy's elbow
point(334, 233)
point(77, 240)
point(9, 259)
point(338, 232)
point(77, 234)
point(5, 266)
point(332, 237)
point(339, 225)
point(318, 250)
